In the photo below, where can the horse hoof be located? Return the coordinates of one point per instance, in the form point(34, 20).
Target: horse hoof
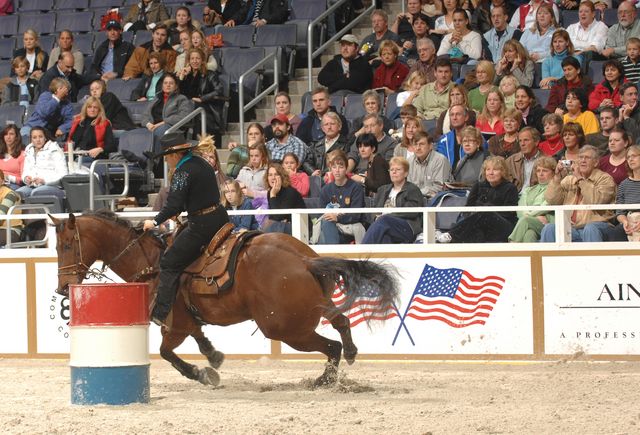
point(216, 359)
point(208, 376)
point(329, 377)
point(350, 357)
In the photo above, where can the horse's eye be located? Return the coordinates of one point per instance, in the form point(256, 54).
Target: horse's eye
point(66, 246)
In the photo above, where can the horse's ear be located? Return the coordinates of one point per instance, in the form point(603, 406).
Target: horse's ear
point(55, 221)
point(71, 223)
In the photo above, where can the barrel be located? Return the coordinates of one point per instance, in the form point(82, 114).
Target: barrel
point(109, 332)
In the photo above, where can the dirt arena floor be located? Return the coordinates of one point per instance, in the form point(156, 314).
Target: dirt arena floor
point(273, 397)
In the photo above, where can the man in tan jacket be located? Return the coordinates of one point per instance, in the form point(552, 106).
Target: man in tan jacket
point(586, 185)
point(138, 63)
point(521, 164)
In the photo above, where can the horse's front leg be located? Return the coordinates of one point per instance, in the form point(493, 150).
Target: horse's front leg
point(342, 324)
point(214, 356)
point(171, 340)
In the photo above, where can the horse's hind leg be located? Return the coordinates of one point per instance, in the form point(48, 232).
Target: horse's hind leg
point(341, 324)
point(214, 357)
point(171, 340)
point(314, 342)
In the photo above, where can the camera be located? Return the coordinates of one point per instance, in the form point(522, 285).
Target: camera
point(566, 163)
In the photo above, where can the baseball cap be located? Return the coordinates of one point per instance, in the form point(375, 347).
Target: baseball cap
point(281, 117)
point(351, 39)
point(113, 24)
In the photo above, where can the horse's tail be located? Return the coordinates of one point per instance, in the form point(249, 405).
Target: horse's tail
point(362, 279)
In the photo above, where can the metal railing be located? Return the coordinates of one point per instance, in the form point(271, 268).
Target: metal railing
point(13, 216)
point(273, 87)
point(93, 179)
point(311, 55)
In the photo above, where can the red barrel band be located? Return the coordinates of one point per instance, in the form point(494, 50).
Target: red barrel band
point(109, 304)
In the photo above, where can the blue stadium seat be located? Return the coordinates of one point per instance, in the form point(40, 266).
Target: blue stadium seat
point(36, 5)
point(197, 10)
point(43, 23)
point(568, 17)
point(238, 36)
point(542, 95)
point(143, 36)
point(391, 105)
point(302, 13)
point(5, 68)
point(610, 17)
point(595, 71)
point(137, 142)
point(353, 107)
point(71, 4)
point(122, 89)
point(105, 4)
point(11, 115)
point(84, 43)
point(9, 25)
point(99, 37)
point(337, 101)
point(236, 61)
point(74, 21)
point(47, 42)
point(7, 45)
point(279, 35)
point(537, 75)
point(136, 110)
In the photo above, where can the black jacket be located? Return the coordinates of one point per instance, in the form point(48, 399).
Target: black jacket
point(40, 66)
point(274, 11)
point(409, 196)
point(143, 87)
point(234, 10)
point(116, 112)
point(209, 91)
point(11, 92)
point(122, 51)
point(534, 118)
point(317, 156)
point(333, 77)
point(505, 193)
point(304, 130)
point(76, 80)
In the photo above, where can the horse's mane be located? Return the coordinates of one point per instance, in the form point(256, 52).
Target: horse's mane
point(108, 215)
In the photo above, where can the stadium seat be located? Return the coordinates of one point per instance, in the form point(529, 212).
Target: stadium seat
point(279, 35)
point(568, 17)
point(11, 115)
point(542, 95)
point(238, 36)
point(47, 42)
point(134, 144)
point(76, 188)
point(35, 5)
point(537, 75)
point(122, 89)
point(136, 110)
point(391, 105)
point(71, 4)
point(9, 25)
point(7, 45)
point(466, 69)
point(99, 37)
point(105, 4)
point(84, 43)
point(610, 17)
point(302, 13)
point(595, 71)
point(142, 36)
point(197, 10)
point(74, 21)
point(88, 60)
point(236, 62)
point(45, 23)
point(353, 107)
point(5, 68)
point(55, 204)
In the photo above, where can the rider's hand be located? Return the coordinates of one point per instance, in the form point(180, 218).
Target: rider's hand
point(148, 225)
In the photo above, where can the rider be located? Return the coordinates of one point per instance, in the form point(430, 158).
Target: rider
point(193, 189)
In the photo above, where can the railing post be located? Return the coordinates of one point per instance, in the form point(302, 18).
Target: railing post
point(563, 226)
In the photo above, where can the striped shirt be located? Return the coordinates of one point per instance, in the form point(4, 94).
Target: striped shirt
point(631, 70)
point(628, 193)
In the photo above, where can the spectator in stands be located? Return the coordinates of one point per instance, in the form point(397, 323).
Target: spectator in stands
point(421, 29)
point(8, 198)
point(391, 73)
point(299, 179)
point(485, 75)
point(21, 90)
point(334, 227)
point(233, 199)
point(204, 89)
point(115, 112)
point(573, 138)
point(146, 15)
point(64, 69)
point(283, 141)
point(537, 39)
point(572, 78)
point(347, 72)
point(521, 164)
point(224, 12)
point(434, 97)
point(500, 33)
point(515, 60)
point(525, 16)
point(444, 23)
point(490, 120)
point(607, 92)
point(426, 61)
point(428, 169)
point(53, 110)
point(588, 35)
point(252, 176)
point(283, 105)
point(37, 57)
point(412, 125)
point(112, 55)
point(576, 104)
point(608, 120)
point(457, 95)
point(630, 110)
point(552, 143)
point(311, 126)
point(169, 108)
point(628, 227)
point(481, 16)
point(65, 44)
point(239, 155)
point(182, 49)
point(91, 132)
point(411, 88)
point(316, 160)
point(381, 32)
point(403, 24)
point(371, 103)
point(468, 168)
point(506, 144)
point(198, 40)
point(615, 163)
point(463, 44)
point(11, 156)
point(628, 26)
point(531, 222)
point(450, 144)
point(531, 111)
point(281, 196)
point(373, 172)
point(373, 124)
point(44, 166)
point(182, 22)
point(486, 227)
point(151, 84)
point(139, 61)
point(262, 12)
point(586, 184)
point(396, 227)
point(631, 61)
point(561, 49)
point(508, 86)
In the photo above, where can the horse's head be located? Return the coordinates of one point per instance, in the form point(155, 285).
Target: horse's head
point(73, 262)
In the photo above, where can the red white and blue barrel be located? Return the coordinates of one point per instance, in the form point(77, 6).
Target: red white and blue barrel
point(109, 332)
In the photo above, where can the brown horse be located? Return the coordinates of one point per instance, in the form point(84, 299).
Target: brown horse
point(280, 283)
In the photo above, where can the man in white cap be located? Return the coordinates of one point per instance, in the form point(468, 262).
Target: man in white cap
point(347, 72)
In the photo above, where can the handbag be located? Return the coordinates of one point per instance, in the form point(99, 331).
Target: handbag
point(215, 41)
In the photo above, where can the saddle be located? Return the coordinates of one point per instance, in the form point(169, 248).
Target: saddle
point(214, 271)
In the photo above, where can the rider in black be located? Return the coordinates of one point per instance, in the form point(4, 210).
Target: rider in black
point(193, 189)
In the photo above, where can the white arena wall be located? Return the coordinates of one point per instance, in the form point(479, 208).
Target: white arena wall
point(557, 300)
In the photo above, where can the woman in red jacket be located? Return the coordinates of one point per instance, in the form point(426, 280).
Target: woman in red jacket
point(391, 73)
point(91, 131)
point(572, 78)
point(607, 92)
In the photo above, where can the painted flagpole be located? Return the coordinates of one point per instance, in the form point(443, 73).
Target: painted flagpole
point(109, 332)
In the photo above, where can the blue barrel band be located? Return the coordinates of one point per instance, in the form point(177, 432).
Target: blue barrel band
point(110, 385)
